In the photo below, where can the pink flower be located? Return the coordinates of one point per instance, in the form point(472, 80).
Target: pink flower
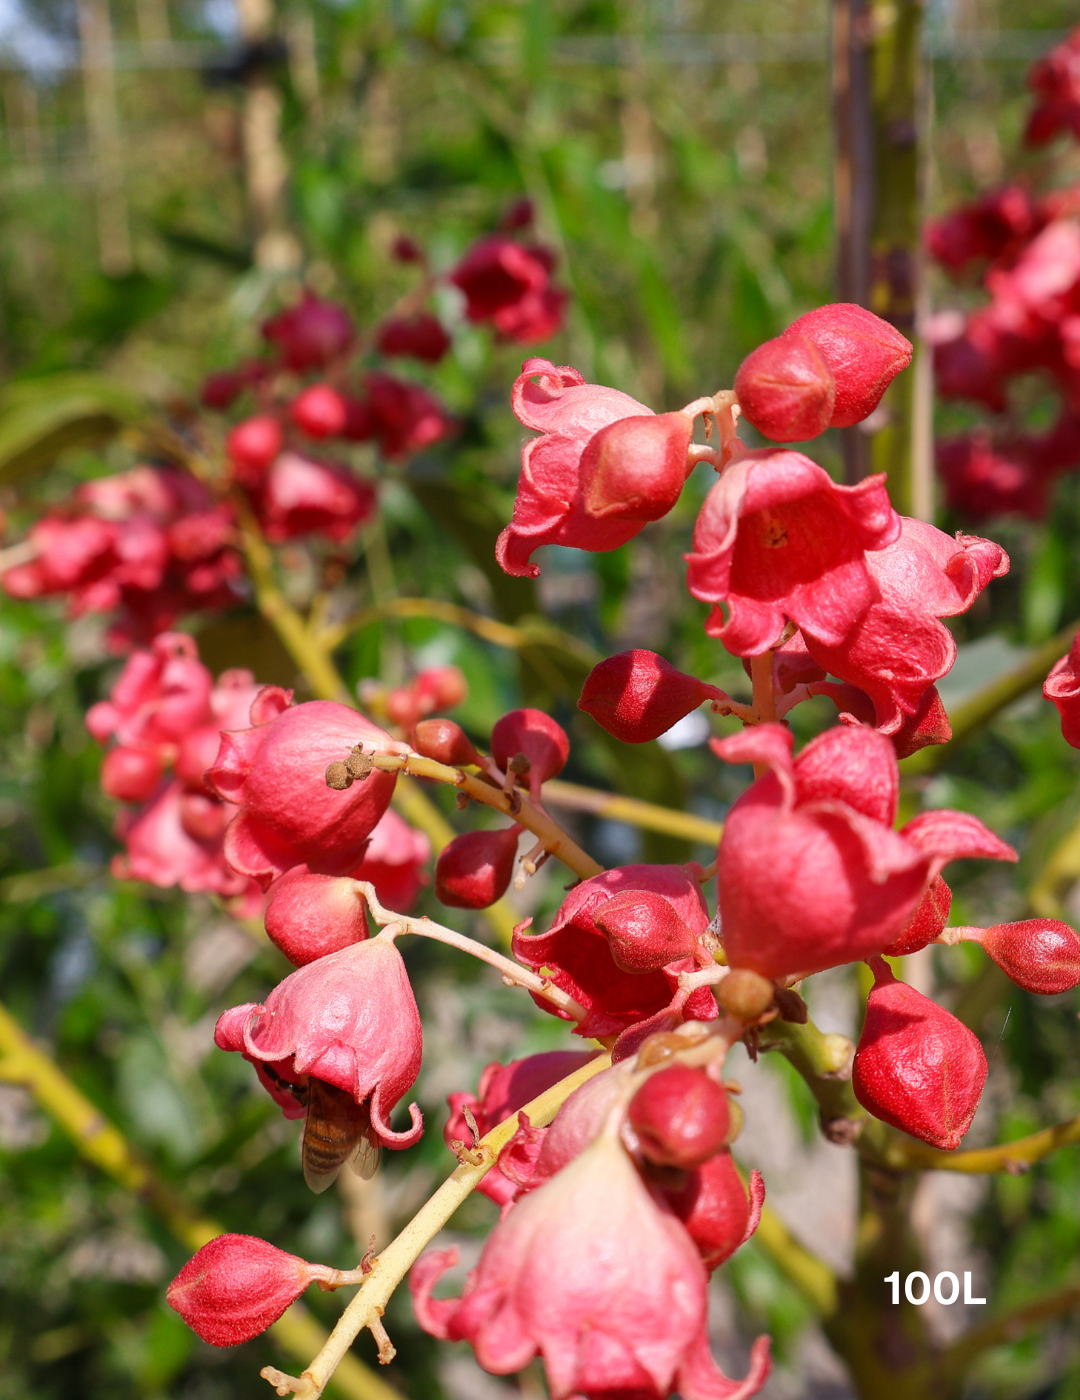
point(502, 1090)
point(577, 952)
point(510, 286)
point(570, 415)
point(422, 336)
point(394, 862)
point(898, 648)
point(312, 334)
point(274, 772)
point(169, 842)
point(300, 496)
point(811, 872)
point(603, 1283)
point(1062, 689)
point(161, 695)
point(777, 539)
point(349, 1020)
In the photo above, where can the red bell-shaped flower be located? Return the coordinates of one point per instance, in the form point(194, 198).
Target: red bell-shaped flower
point(777, 539)
point(916, 1066)
point(275, 773)
point(603, 1283)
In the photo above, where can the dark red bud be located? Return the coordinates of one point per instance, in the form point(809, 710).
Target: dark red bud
point(422, 336)
point(634, 469)
point(130, 775)
point(405, 250)
point(252, 445)
point(311, 915)
point(864, 353)
point(221, 388)
point(445, 742)
point(320, 411)
point(916, 1066)
point(1040, 955)
point(643, 931)
point(519, 214)
point(474, 870)
point(786, 389)
point(237, 1286)
point(637, 695)
point(929, 919)
point(713, 1206)
point(538, 737)
point(680, 1117)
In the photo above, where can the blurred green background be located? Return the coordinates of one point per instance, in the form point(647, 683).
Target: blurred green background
point(679, 157)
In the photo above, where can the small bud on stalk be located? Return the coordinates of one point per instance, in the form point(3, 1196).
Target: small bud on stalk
point(539, 738)
point(445, 742)
point(637, 695)
point(786, 390)
point(475, 869)
point(680, 1117)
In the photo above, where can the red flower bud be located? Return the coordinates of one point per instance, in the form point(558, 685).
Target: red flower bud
point(130, 775)
point(421, 336)
point(634, 468)
point(927, 922)
point(319, 411)
point(1040, 955)
point(637, 695)
point(221, 388)
point(474, 870)
point(406, 250)
point(917, 1067)
point(237, 1286)
point(864, 353)
point(310, 915)
point(786, 389)
point(714, 1208)
point(643, 931)
point(252, 445)
point(445, 742)
point(538, 737)
point(680, 1117)
point(310, 334)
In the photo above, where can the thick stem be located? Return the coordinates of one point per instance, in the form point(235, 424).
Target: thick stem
point(391, 1266)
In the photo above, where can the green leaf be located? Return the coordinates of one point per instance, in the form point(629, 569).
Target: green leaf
point(41, 418)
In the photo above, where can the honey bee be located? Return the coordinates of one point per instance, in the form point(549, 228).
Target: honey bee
point(336, 1130)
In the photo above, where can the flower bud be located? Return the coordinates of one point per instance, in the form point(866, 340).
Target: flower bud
point(538, 737)
point(927, 922)
point(643, 931)
point(252, 445)
point(474, 870)
point(422, 336)
point(744, 994)
point(445, 742)
point(680, 1117)
point(129, 774)
point(237, 1286)
point(310, 915)
point(786, 389)
point(637, 695)
point(863, 352)
point(916, 1066)
point(634, 468)
point(1040, 955)
point(713, 1206)
point(319, 411)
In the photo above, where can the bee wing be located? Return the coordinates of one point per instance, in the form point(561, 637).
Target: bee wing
point(364, 1158)
point(334, 1130)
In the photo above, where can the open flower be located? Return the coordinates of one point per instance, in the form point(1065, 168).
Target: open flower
point(577, 950)
point(348, 1019)
point(274, 772)
point(811, 872)
point(597, 1278)
point(578, 487)
point(777, 539)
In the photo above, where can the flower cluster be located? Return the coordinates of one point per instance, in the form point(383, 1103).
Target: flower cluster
point(149, 545)
point(1026, 250)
